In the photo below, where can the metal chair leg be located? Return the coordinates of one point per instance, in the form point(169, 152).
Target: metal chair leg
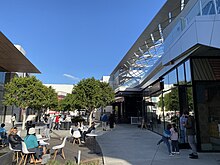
point(32, 155)
point(25, 160)
point(63, 154)
point(55, 154)
point(17, 157)
point(22, 158)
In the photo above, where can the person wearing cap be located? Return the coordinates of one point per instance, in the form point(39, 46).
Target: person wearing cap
point(32, 144)
point(14, 139)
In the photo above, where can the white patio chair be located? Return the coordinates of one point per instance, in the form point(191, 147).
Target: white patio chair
point(71, 131)
point(76, 137)
point(19, 133)
point(59, 147)
point(25, 154)
point(42, 142)
point(16, 152)
point(40, 137)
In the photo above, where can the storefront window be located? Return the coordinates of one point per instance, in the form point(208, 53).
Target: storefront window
point(208, 105)
point(170, 79)
point(181, 75)
point(2, 77)
point(208, 7)
point(218, 6)
point(188, 72)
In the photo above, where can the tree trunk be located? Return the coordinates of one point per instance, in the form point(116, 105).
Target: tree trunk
point(23, 111)
point(90, 117)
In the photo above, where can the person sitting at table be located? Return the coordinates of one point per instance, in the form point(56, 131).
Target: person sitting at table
point(14, 139)
point(32, 144)
point(3, 134)
point(90, 129)
point(29, 125)
point(74, 128)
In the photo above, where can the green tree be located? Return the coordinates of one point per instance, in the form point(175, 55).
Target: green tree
point(25, 92)
point(51, 98)
point(107, 94)
point(91, 94)
point(68, 103)
point(171, 100)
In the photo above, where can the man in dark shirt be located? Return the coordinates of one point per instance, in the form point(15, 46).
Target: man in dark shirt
point(88, 131)
point(14, 139)
point(190, 133)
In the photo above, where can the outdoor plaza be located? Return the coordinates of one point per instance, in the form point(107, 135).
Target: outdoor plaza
point(172, 68)
point(126, 144)
point(73, 151)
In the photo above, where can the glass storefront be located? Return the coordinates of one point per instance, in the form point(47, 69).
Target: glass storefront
point(175, 98)
point(206, 75)
point(208, 106)
point(199, 95)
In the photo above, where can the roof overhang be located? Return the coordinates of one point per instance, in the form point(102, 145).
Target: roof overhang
point(197, 50)
point(160, 18)
point(12, 60)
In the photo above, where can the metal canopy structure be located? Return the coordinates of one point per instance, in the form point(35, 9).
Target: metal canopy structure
point(12, 60)
point(147, 49)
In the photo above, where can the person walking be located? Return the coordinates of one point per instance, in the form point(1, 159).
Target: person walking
point(13, 119)
point(57, 121)
point(166, 137)
point(104, 120)
point(111, 121)
point(190, 133)
point(51, 123)
point(174, 140)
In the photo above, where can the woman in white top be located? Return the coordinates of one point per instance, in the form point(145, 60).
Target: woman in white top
point(174, 139)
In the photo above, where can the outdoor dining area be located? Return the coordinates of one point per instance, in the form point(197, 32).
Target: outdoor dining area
point(74, 145)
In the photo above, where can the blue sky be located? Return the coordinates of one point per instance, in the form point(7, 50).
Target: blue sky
point(68, 40)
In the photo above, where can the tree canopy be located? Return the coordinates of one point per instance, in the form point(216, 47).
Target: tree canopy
point(68, 103)
point(91, 94)
point(29, 92)
point(171, 100)
point(26, 92)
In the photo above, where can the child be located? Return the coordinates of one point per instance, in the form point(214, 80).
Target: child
point(3, 135)
point(174, 139)
point(166, 137)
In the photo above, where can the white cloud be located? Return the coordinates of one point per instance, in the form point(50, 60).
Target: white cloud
point(72, 77)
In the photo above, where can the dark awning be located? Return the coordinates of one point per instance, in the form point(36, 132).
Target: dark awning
point(12, 60)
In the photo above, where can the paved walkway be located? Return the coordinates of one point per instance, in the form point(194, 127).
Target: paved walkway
point(129, 145)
